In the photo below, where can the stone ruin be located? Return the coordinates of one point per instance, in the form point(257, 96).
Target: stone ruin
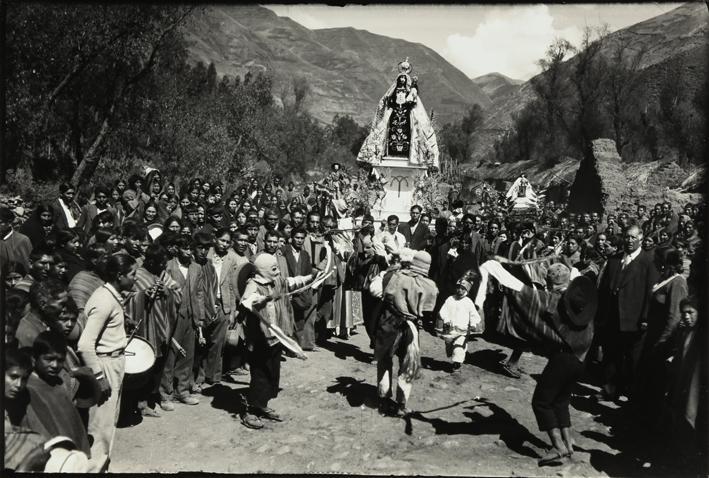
point(606, 184)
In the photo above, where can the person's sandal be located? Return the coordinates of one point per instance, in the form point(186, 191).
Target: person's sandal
point(510, 372)
point(251, 421)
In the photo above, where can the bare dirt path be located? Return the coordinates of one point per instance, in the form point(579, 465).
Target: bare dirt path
point(332, 426)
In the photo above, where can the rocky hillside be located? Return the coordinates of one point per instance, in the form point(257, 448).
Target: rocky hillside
point(496, 85)
point(676, 39)
point(348, 70)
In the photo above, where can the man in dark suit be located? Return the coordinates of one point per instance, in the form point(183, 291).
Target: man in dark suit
point(91, 210)
point(416, 234)
point(625, 291)
point(66, 210)
point(304, 311)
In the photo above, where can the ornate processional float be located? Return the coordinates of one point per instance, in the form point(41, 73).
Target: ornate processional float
point(401, 147)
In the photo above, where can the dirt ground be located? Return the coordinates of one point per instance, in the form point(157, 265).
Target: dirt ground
point(474, 422)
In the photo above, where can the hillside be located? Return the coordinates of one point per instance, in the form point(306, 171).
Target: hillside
point(348, 70)
point(496, 84)
point(676, 39)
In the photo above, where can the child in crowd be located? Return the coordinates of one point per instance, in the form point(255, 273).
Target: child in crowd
point(459, 317)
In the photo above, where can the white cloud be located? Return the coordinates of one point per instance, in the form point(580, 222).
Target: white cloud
point(508, 41)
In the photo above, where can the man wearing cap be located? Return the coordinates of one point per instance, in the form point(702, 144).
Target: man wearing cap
point(626, 289)
point(407, 294)
point(14, 246)
point(560, 319)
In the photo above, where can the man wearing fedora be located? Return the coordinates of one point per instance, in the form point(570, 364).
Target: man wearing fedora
point(560, 319)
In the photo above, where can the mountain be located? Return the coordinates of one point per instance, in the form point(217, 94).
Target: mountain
point(674, 40)
point(496, 85)
point(348, 70)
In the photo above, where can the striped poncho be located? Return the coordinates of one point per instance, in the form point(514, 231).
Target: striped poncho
point(159, 315)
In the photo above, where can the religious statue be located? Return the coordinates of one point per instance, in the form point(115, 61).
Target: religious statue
point(521, 196)
point(401, 129)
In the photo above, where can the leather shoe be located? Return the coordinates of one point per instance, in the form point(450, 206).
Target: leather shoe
point(251, 421)
point(269, 414)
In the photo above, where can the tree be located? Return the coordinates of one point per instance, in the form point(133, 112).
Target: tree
point(74, 69)
point(346, 132)
point(551, 88)
point(622, 83)
point(456, 138)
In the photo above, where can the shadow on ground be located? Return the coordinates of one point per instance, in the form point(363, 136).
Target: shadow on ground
point(510, 431)
point(357, 392)
point(225, 398)
point(487, 359)
point(342, 350)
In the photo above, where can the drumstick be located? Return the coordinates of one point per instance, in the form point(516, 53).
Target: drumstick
point(178, 347)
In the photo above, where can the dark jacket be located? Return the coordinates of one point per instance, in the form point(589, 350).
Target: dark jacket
point(419, 238)
point(625, 293)
point(301, 267)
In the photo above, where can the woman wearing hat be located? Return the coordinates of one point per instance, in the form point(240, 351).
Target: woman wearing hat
point(560, 319)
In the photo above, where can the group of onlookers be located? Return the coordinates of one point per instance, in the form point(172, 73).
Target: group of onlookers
point(168, 264)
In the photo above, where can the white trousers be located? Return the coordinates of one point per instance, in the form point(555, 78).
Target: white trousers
point(103, 418)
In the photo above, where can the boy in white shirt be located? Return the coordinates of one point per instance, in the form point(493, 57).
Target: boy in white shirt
point(459, 317)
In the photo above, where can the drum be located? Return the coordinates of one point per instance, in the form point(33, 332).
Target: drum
point(140, 356)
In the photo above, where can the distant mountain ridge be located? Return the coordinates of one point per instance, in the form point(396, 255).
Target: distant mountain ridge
point(348, 70)
point(496, 84)
point(673, 39)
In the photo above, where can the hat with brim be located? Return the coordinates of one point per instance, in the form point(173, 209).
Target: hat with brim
point(580, 301)
point(62, 460)
point(89, 391)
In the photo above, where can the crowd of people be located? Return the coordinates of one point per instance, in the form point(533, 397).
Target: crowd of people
point(220, 282)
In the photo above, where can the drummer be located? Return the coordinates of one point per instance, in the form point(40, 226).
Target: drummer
point(101, 346)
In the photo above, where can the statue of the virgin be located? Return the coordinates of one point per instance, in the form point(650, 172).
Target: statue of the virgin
point(401, 129)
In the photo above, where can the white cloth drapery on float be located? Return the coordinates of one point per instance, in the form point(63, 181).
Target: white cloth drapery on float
point(520, 196)
point(423, 143)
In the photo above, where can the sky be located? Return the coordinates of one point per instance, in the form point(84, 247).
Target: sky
point(478, 39)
